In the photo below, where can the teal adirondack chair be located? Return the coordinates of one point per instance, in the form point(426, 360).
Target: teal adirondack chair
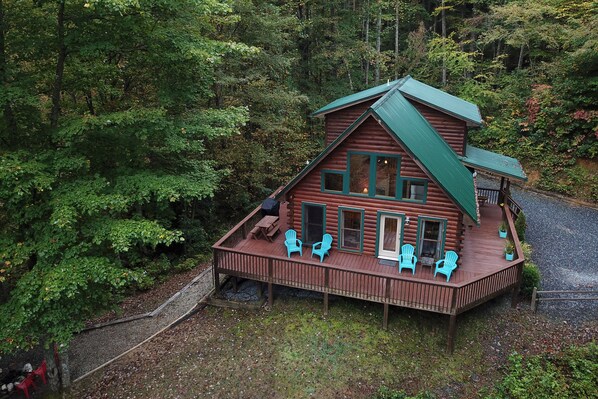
point(450, 264)
point(321, 248)
point(292, 243)
point(407, 259)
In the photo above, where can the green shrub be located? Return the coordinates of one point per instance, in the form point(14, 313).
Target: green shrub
point(530, 278)
point(190, 263)
point(389, 393)
point(520, 226)
point(572, 374)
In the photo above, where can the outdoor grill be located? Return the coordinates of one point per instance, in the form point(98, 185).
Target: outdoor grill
point(270, 207)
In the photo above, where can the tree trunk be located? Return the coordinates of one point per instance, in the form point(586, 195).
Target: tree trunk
point(8, 114)
point(349, 74)
point(397, 40)
point(378, 42)
point(521, 52)
point(52, 369)
point(367, 43)
point(65, 372)
point(59, 68)
point(443, 23)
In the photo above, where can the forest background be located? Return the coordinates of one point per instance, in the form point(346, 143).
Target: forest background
point(133, 132)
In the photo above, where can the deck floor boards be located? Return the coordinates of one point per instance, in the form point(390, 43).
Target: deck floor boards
point(482, 252)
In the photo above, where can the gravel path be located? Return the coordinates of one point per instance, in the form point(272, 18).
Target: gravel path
point(564, 238)
point(93, 348)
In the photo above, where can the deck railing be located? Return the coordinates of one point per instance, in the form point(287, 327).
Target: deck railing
point(387, 288)
point(491, 194)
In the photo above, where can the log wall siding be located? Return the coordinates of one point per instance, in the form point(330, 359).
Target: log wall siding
point(452, 130)
point(338, 121)
point(372, 137)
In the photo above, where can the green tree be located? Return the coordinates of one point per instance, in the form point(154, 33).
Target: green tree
point(93, 185)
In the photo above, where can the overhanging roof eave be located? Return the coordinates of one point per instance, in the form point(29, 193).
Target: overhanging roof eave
point(493, 170)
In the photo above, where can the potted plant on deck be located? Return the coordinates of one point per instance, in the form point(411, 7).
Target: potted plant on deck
point(509, 251)
point(502, 230)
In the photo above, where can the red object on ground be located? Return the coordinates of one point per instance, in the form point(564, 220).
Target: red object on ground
point(41, 371)
point(26, 384)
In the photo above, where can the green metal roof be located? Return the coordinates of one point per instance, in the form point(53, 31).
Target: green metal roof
point(428, 148)
point(357, 98)
point(441, 100)
point(416, 90)
point(493, 162)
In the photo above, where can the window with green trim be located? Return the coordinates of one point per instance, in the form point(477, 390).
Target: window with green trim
point(414, 189)
point(351, 229)
point(333, 180)
point(431, 235)
point(359, 173)
point(386, 176)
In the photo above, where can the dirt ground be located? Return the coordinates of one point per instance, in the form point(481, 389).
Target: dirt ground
point(293, 351)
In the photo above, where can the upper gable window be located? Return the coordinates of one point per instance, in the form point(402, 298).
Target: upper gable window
point(386, 176)
point(333, 180)
point(414, 189)
point(374, 175)
point(359, 173)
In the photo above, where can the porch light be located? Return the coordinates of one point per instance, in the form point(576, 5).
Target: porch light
point(407, 220)
point(365, 190)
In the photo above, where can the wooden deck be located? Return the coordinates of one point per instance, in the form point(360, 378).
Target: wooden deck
point(482, 275)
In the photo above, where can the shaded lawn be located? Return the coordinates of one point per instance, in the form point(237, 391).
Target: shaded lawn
point(293, 351)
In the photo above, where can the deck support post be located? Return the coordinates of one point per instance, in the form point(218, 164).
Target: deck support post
point(385, 319)
point(517, 288)
point(215, 272)
point(270, 288)
point(387, 297)
point(451, 333)
point(235, 284)
point(326, 282)
point(500, 191)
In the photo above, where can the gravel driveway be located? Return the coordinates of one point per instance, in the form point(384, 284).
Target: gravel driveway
point(564, 238)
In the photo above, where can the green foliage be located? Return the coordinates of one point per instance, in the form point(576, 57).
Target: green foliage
point(520, 226)
point(530, 278)
point(509, 247)
point(388, 393)
point(94, 205)
point(571, 374)
point(531, 273)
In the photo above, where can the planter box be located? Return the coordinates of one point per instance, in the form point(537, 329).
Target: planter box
point(509, 257)
point(502, 234)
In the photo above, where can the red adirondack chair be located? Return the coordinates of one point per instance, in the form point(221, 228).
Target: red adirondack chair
point(26, 384)
point(41, 371)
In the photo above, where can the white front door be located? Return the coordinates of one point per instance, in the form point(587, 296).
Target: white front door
point(389, 237)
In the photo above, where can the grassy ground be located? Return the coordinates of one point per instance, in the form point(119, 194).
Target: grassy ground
point(293, 351)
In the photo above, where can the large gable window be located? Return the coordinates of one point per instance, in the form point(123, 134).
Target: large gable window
point(359, 173)
point(386, 176)
point(374, 175)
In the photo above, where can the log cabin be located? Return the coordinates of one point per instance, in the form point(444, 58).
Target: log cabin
point(396, 169)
